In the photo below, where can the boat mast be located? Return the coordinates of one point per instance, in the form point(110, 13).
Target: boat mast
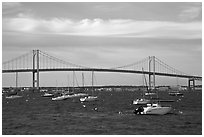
point(56, 86)
point(73, 81)
point(16, 79)
point(152, 69)
point(68, 82)
point(92, 82)
point(153, 72)
point(150, 59)
point(83, 80)
point(145, 79)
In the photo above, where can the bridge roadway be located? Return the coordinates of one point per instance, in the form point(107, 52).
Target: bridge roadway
point(103, 70)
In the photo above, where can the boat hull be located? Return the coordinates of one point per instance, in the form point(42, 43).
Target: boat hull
point(156, 110)
point(13, 97)
point(76, 95)
point(176, 94)
point(47, 95)
point(141, 101)
point(150, 94)
point(90, 98)
point(59, 98)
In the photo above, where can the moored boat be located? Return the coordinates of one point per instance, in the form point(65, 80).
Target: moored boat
point(89, 98)
point(76, 95)
point(63, 97)
point(13, 97)
point(175, 94)
point(153, 109)
point(150, 94)
point(141, 101)
point(48, 95)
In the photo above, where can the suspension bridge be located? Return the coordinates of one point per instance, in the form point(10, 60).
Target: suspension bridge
point(37, 61)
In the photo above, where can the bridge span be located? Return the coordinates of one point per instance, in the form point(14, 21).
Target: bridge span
point(37, 61)
point(103, 70)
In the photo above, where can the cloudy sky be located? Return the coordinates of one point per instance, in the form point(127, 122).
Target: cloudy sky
point(104, 35)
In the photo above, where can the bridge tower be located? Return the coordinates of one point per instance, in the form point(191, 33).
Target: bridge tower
point(36, 63)
point(152, 69)
point(191, 87)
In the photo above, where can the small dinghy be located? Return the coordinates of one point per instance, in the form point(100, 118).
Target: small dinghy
point(89, 98)
point(48, 95)
point(76, 95)
point(150, 94)
point(141, 101)
point(13, 97)
point(63, 97)
point(175, 94)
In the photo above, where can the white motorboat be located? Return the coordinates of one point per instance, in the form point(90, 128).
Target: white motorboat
point(141, 101)
point(89, 98)
point(13, 97)
point(153, 109)
point(63, 97)
point(175, 94)
point(48, 95)
point(76, 95)
point(150, 94)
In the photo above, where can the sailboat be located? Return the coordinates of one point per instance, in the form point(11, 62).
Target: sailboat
point(153, 108)
point(175, 91)
point(89, 98)
point(142, 101)
point(74, 95)
point(47, 94)
point(13, 94)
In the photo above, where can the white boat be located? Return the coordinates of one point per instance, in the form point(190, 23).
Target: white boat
point(89, 98)
point(175, 94)
point(153, 109)
point(47, 95)
point(76, 95)
point(63, 97)
point(141, 101)
point(150, 94)
point(156, 109)
point(13, 97)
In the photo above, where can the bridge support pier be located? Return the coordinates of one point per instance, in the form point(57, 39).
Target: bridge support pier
point(191, 87)
point(152, 76)
point(36, 55)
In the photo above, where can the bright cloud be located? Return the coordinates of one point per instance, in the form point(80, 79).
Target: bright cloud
point(100, 27)
point(191, 12)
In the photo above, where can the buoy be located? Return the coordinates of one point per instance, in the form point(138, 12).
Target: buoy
point(84, 106)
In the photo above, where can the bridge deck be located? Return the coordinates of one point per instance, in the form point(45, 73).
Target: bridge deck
point(103, 70)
